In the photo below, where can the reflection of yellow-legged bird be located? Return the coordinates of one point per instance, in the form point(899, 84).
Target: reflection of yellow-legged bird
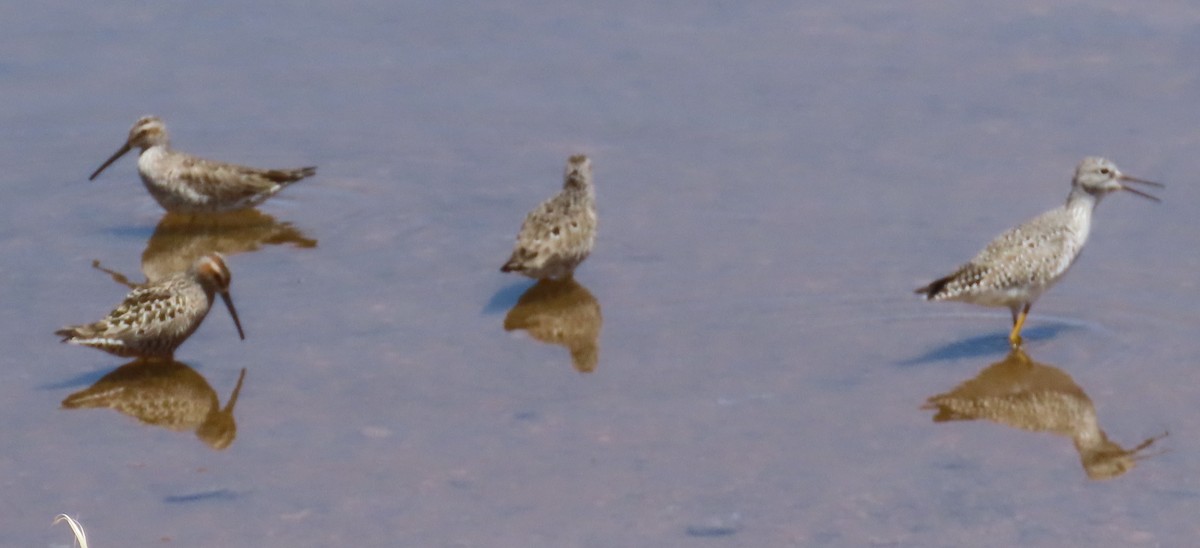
point(1021, 393)
point(167, 394)
point(154, 319)
point(564, 313)
point(1020, 264)
point(186, 184)
point(558, 234)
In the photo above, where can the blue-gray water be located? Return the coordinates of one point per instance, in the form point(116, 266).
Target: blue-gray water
point(773, 178)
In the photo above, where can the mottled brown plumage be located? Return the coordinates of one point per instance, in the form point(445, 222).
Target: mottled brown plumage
point(183, 183)
point(154, 319)
point(559, 233)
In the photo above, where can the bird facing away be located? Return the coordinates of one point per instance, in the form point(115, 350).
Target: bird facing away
point(154, 319)
point(558, 234)
point(183, 183)
point(1023, 262)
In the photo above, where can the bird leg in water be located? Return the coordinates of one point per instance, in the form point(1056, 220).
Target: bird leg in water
point(1014, 338)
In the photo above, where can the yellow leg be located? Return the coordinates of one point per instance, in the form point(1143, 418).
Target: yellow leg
point(1014, 338)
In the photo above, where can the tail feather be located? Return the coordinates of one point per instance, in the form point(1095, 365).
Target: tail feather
point(78, 333)
point(935, 287)
point(517, 261)
point(68, 333)
point(290, 175)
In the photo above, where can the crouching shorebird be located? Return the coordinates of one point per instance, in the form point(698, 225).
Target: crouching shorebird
point(558, 234)
point(1023, 262)
point(186, 184)
point(156, 318)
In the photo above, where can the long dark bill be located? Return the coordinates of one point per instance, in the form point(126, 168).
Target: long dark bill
point(121, 152)
point(1128, 179)
point(233, 312)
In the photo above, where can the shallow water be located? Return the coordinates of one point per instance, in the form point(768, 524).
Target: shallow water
point(773, 180)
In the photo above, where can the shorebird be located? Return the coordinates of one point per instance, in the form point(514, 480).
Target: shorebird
point(1023, 262)
point(558, 234)
point(154, 319)
point(183, 183)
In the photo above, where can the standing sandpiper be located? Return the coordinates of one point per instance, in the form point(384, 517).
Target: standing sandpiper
point(183, 183)
point(154, 319)
point(558, 234)
point(1018, 265)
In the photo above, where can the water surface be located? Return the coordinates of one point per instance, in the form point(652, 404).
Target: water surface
point(773, 178)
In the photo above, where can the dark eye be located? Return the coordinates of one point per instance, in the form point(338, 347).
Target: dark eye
point(1104, 171)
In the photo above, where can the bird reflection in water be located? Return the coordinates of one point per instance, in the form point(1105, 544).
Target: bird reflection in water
point(1021, 393)
point(180, 239)
point(563, 313)
point(167, 394)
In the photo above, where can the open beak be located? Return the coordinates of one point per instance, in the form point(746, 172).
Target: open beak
point(124, 148)
point(233, 312)
point(1128, 179)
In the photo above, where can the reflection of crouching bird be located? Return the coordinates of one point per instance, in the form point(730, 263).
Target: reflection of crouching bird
point(562, 313)
point(168, 394)
point(558, 234)
point(154, 319)
point(1021, 393)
